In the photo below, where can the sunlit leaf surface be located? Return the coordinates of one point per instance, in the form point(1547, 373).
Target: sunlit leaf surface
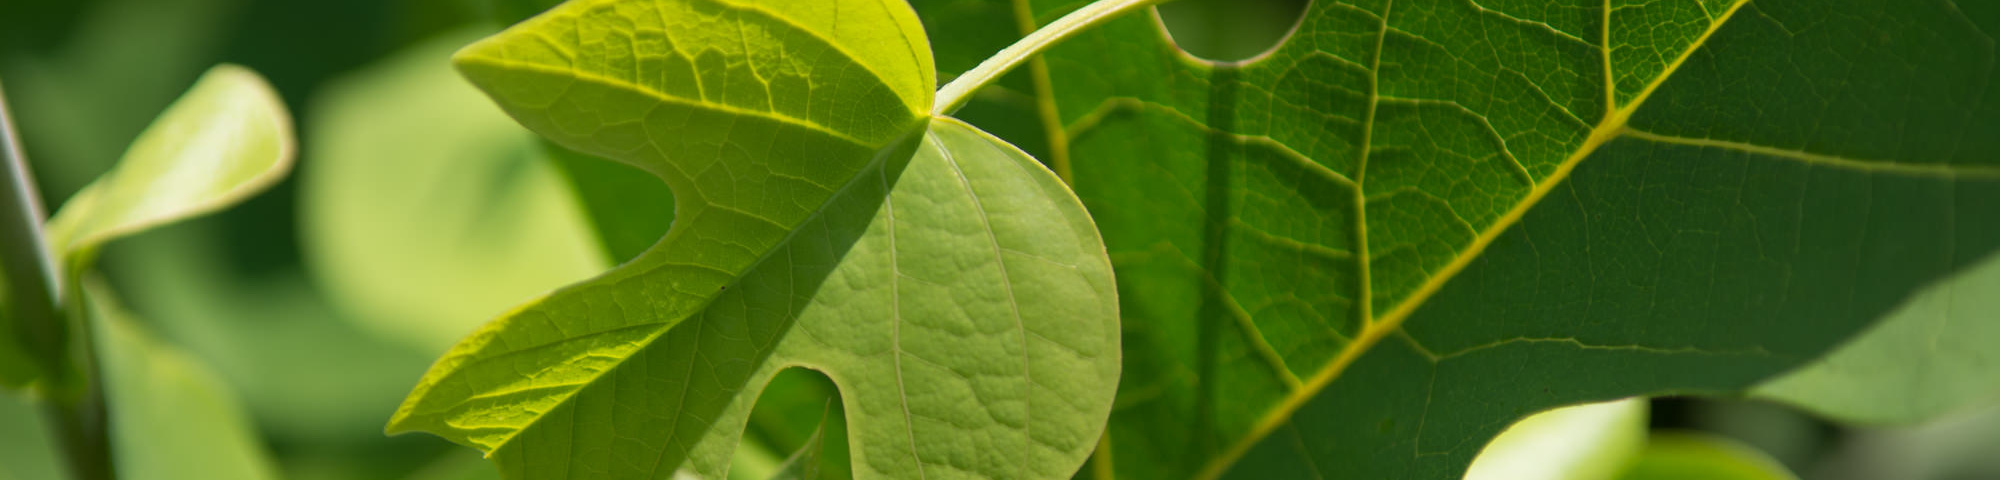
point(948, 284)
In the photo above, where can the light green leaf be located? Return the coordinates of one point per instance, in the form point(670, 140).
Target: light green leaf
point(947, 283)
point(1692, 456)
point(171, 419)
point(1367, 252)
point(1931, 357)
point(426, 211)
point(1583, 442)
point(228, 138)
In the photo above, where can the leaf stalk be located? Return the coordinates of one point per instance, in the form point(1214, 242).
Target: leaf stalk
point(954, 95)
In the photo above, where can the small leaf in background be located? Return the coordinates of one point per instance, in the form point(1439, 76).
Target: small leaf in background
point(1957, 447)
point(81, 103)
point(1694, 456)
point(426, 211)
point(1932, 357)
point(228, 138)
point(805, 463)
point(1583, 442)
point(171, 419)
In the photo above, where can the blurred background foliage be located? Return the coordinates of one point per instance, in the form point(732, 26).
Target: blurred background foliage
point(418, 211)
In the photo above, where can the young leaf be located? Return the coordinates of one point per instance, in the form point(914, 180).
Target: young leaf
point(1417, 220)
point(427, 211)
point(171, 419)
point(1581, 442)
point(1679, 456)
point(229, 137)
point(226, 139)
point(948, 284)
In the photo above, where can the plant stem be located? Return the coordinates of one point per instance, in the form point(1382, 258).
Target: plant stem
point(956, 93)
point(74, 405)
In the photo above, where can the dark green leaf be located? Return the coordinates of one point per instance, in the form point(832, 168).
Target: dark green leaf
point(1369, 251)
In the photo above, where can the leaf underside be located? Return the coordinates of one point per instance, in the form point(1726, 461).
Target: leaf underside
point(950, 286)
point(1367, 252)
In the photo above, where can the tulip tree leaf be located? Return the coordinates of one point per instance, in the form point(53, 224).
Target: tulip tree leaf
point(949, 285)
point(1414, 221)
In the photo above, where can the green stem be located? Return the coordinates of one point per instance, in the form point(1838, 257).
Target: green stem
point(956, 93)
point(74, 405)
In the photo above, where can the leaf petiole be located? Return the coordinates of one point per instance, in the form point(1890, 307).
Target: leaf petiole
point(954, 95)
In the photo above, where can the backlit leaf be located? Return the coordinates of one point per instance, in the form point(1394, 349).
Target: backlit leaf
point(229, 137)
point(948, 284)
point(170, 417)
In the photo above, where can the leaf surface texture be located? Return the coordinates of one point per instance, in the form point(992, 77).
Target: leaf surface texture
point(950, 286)
point(1370, 250)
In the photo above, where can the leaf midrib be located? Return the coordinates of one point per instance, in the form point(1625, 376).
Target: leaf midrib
point(396, 423)
point(664, 97)
point(1611, 127)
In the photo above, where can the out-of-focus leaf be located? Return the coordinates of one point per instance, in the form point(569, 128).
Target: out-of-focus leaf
point(1935, 355)
point(170, 418)
point(1584, 442)
point(629, 209)
point(1691, 456)
point(1956, 447)
point(226, 139)
point(426, 210)
point(800, 239)
point(310, 376)
point(27, 447)
point(125, 60)
point(805, 463)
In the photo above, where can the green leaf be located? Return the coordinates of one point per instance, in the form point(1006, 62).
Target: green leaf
point(1415, 221)
point(228, 138)
point(1932, 357)
point(948, 284)
point(1690, 456)
point(171, 419)
point(426, 210)
point(1583, 442)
